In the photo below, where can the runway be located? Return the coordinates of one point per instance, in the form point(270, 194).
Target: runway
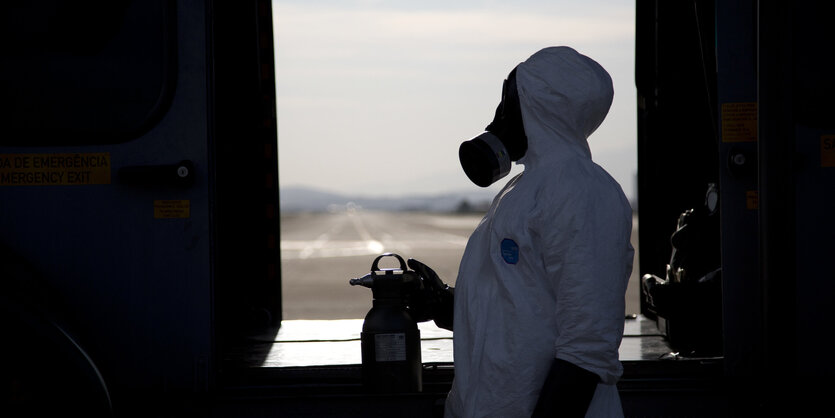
point(320, 252)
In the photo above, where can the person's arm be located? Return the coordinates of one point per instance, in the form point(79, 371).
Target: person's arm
point(587, 258)
point(567, 391)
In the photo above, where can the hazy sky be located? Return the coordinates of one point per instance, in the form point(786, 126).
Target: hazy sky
point(374, 97)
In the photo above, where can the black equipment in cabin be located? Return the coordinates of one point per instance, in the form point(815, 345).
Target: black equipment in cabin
point(688, 301)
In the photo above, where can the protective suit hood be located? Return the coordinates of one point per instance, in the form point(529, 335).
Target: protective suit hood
point(564, 98)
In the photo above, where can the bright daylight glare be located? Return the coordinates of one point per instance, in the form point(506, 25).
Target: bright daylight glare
point(374, 98)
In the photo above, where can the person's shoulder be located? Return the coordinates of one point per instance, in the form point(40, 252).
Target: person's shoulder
point(579, 183)
point(571, 175)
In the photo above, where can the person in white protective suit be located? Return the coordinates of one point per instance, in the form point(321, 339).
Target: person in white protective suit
point(539, 299)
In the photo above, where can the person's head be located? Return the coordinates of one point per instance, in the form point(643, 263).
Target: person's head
point(486, 158)
point(550, 104)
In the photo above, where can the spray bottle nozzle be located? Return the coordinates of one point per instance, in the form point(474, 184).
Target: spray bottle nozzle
point(367, 281)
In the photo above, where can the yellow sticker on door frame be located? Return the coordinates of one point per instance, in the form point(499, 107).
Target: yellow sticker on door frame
point(828, 151)
point(68, 169)
point(752, 200)
point(172, 209)
point(739, 122)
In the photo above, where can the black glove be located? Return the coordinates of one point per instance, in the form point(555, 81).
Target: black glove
point(434, 299)
point(567, 391)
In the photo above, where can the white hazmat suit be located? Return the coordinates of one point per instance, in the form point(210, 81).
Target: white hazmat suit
point(545, 272)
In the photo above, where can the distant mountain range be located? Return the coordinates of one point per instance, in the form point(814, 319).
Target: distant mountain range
point(303, 199)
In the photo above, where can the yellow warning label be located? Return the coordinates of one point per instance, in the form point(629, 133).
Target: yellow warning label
point(171, 209)
point(54, 169)
point(739, 122)
point(752, 200)
point(828, 151)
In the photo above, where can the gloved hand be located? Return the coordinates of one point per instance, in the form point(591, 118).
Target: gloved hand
point(567, 391)
point(434, 299)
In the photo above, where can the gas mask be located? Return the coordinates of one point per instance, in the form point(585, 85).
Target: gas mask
point(486, 158)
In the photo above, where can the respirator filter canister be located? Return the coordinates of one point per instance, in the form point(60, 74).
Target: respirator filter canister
point(484, 159)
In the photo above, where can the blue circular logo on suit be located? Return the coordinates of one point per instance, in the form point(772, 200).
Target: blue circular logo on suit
point(510, 251)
